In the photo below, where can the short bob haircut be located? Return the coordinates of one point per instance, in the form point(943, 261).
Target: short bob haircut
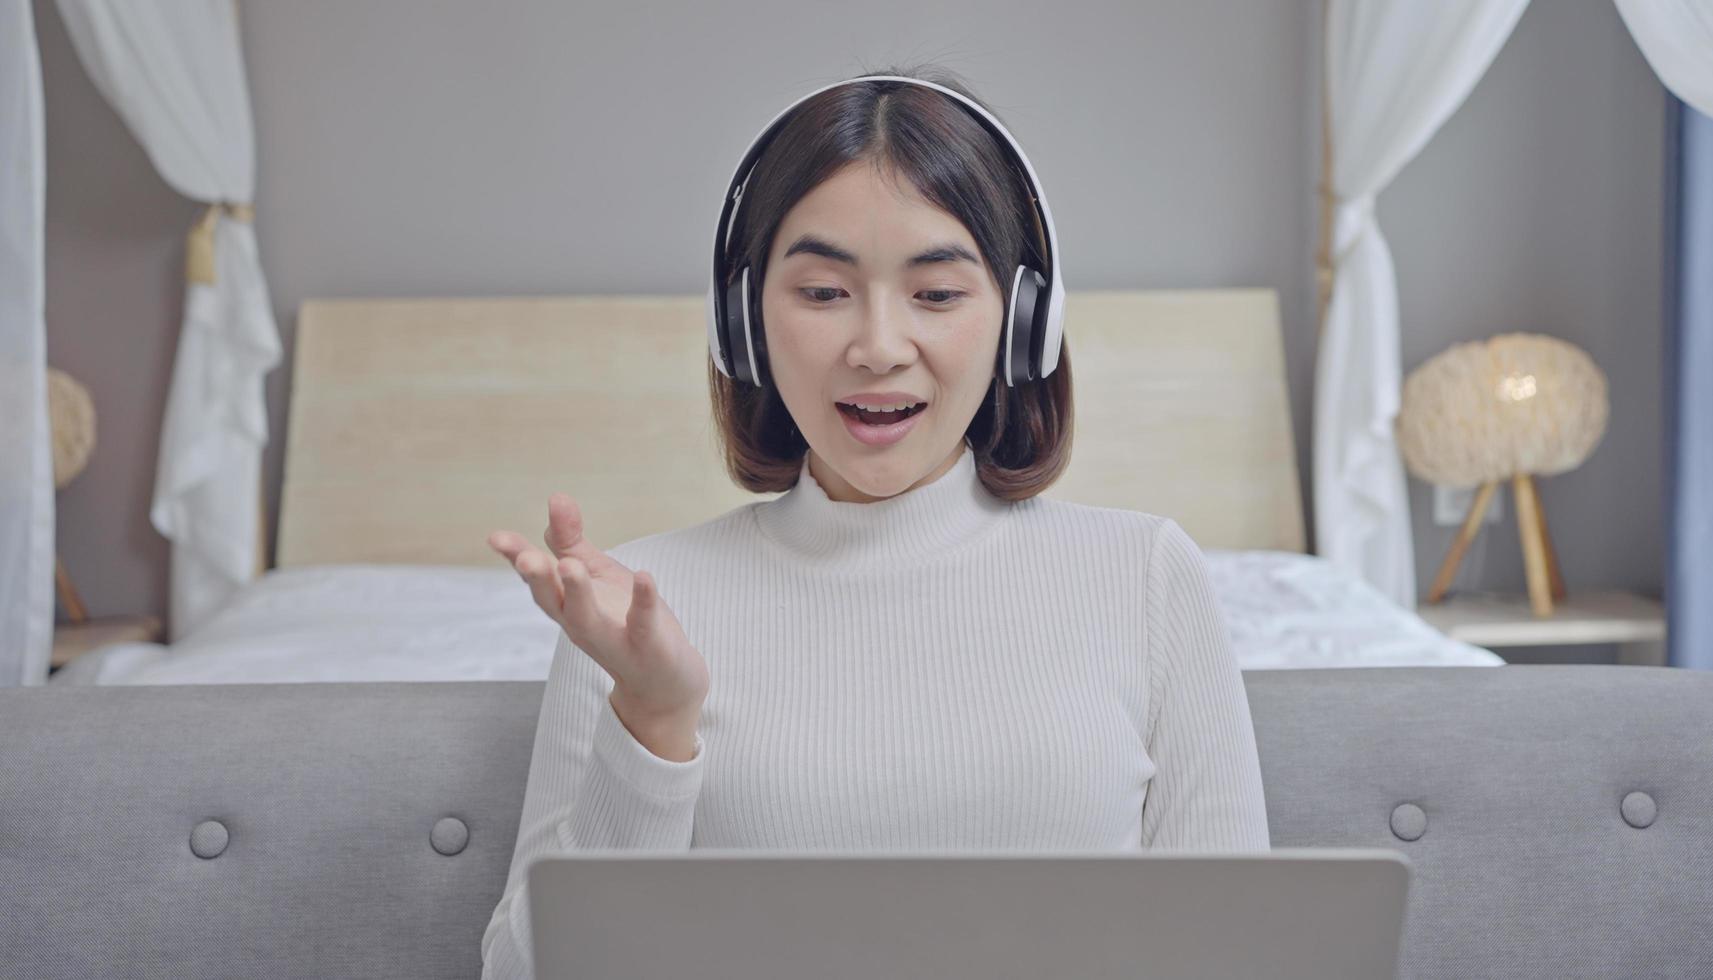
point(1021, 436)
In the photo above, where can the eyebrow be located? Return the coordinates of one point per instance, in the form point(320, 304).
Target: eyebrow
point(944, 252)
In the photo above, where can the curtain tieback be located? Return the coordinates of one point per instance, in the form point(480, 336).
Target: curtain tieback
point(1323, 253)
point(199, 248)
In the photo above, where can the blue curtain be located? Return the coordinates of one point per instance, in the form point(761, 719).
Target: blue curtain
point(1688, 389)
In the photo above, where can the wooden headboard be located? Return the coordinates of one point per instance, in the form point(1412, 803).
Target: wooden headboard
point(419, 425)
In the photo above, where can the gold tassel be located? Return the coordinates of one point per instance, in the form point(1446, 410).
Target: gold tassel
point(199, 247)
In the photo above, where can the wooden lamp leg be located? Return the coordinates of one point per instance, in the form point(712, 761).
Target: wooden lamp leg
point(68, 597)
point(1552, 575)
point(1534, 551)
point(261, 530)
point(1466, 534)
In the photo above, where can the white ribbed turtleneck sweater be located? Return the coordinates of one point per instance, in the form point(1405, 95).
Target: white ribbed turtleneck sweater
point(938, 670)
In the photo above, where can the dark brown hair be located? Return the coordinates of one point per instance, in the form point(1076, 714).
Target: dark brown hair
point(1021, 436)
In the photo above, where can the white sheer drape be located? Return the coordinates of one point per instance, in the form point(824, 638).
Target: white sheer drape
point(26, 461)
point(1676, 36)
point(174, 70)
point(1396, 70)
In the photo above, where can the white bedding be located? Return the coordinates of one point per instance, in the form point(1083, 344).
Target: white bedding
point(442, 623)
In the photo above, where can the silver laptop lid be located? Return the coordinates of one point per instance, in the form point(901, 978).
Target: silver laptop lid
point(716, 914)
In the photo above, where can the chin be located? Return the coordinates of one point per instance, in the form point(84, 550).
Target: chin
point(878, 475)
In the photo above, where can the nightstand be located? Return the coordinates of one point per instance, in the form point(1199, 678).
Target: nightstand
point(72, 640)
point(1635, 623)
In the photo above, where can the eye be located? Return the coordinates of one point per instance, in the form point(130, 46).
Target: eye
point(952, 296)
point(937, 297)
point(806, 293)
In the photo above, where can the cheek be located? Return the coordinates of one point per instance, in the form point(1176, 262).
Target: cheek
point(797, 355)
point(791, 340)
point(973, 343)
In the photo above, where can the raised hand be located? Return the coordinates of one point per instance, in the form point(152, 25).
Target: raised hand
point(617, 617)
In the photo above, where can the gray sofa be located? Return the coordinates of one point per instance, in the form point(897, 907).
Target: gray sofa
point(1559, 819)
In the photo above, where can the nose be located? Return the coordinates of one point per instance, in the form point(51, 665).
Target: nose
point(884, 339)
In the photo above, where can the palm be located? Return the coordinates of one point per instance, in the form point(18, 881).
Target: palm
point(610, 580)
point(612, 584)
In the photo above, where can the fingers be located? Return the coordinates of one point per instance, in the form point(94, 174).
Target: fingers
point(507, 543)
point(533, 567)
point(643, 598)
point(581, 610)
point(538, 570)
point(564, 525)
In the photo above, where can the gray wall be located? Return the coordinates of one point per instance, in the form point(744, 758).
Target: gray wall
point(410, 148)
point(1538, 208)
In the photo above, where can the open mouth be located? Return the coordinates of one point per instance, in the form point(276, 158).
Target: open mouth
point(880, 418)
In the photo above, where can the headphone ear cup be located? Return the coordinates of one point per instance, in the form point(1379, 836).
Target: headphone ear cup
point(757, 336)
point(737, 349)
point(1025, 328)
point(1039, 330)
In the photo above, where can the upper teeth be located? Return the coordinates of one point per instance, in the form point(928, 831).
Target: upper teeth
point(884, 408)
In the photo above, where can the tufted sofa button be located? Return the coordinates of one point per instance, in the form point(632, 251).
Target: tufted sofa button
point(1408, 821)
point(449, 835)
point(1638, 809)
point(208, 839)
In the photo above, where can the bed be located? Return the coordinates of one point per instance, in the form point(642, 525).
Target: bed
point(419, 425)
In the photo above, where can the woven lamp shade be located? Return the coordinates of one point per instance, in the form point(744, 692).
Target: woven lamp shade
point(1489, 410)
point(1506, 409)
point(71, 422)
point(71, 417)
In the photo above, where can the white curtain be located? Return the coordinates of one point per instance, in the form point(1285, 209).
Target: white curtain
point(174, 71)
point(1676, 36)
point(26, 461)
point(1396, 70)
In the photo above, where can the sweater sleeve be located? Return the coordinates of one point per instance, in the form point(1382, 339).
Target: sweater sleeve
point(1206, 792)
point(591, 785)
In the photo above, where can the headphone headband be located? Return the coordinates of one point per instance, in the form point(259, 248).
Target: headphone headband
point(1037, 342)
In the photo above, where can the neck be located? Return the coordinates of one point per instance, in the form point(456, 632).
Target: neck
point(937, 514)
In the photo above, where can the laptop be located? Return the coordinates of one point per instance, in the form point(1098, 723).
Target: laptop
point(731, 914)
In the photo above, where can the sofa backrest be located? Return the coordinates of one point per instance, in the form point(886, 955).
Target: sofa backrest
point(1558, 819)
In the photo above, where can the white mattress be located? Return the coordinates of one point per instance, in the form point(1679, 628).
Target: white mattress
point(442, 623)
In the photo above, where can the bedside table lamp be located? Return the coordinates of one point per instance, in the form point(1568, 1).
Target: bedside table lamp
point(1513, 407)
point(71, 417)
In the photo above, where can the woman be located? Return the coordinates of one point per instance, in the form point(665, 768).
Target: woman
point(910, 648)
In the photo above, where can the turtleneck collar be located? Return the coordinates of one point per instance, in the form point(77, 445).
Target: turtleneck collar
point(919, 523)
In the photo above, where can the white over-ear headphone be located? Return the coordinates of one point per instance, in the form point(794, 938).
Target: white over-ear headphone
point(1034, 307)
